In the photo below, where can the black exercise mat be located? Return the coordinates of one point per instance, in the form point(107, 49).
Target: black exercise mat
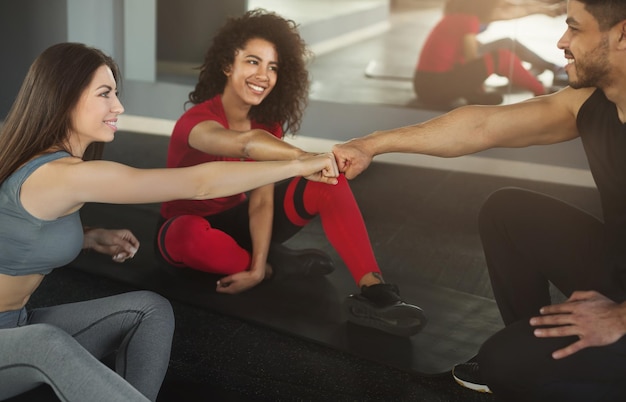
point(309, 308)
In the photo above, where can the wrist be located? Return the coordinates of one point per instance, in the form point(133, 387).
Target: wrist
point(368, 144)
point(257, 271)
point(258, 275)
point(87, 237)
point(299, 153)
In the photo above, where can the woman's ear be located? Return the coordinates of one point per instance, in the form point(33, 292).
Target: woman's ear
point(227, 71)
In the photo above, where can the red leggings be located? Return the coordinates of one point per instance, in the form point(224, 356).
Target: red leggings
point(509, 65)
point(221, 243)
point(442, 88)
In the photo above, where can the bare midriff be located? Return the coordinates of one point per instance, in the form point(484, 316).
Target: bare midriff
point(16, 290)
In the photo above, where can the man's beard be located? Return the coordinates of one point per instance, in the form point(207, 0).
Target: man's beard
point(593, 69)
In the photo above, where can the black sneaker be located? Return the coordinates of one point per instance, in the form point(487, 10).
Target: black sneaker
point(306, 262)
point(468, 376)
point(379, 306)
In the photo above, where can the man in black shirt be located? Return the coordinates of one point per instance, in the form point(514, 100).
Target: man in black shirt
point(573, 350)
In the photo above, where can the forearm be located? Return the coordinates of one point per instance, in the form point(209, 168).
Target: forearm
point(260, 212)
point(263, 146)
point(466, 130)
point(212, 138)
point(456, 133)
point(221, 179)
point(510, 11)
point(88, 241)
point(470, 47)
point(92, 181)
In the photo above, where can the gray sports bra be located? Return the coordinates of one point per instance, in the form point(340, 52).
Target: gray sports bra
point(29, 245)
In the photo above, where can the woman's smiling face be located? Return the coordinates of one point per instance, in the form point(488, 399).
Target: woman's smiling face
point(254, 72)
point(94, 118)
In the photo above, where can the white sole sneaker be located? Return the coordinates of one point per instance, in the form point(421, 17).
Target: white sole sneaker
point(471, 385)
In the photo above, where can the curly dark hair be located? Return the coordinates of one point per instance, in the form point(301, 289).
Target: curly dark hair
point(286, 103)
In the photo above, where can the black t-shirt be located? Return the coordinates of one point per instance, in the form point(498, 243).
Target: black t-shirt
point(604, 138)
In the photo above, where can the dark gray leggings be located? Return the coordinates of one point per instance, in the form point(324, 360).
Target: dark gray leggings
point(530, 239)
point(62, 346)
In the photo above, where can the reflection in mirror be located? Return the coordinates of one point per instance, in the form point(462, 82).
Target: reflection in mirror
point(366, 51)
point(455, 62)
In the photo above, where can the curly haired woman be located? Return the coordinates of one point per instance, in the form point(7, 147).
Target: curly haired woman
point(252, 88)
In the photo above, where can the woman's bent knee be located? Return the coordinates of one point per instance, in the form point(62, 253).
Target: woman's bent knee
point(155, 306)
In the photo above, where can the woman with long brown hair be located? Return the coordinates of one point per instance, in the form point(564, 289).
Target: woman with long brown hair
point(67, 104)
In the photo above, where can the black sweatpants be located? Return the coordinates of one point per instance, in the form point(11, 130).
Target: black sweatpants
point(530, 240)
